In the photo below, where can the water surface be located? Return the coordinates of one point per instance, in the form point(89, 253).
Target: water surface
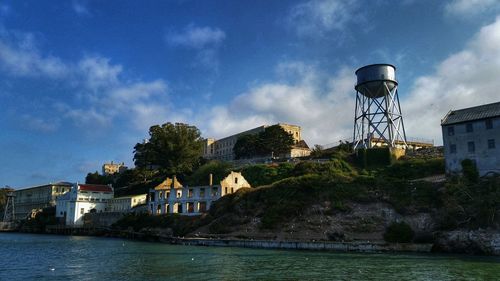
point(51, 257)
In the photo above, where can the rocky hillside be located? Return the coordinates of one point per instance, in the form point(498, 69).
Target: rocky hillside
point(337, 201)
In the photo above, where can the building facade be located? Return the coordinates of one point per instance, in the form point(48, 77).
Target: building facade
point(472, 133)
point(125, 204)
point(31, 199)
point(82, 199)
point(170, 197)
point(222, 149)
point(113, 168)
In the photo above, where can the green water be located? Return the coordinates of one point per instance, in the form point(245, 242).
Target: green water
point(50, 257)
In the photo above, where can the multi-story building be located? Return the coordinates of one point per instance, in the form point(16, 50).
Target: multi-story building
point(113, 168)
point(31, 199)
point(125, 204)
point(171, 197)
point(472, 133)
point(222, 149)
point(82, 199)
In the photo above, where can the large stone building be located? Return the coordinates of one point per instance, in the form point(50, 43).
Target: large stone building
point(31, 199)
point(113, 168)
point(222, 149)
point(82, 199)
point(472, 133)
point(171, 197)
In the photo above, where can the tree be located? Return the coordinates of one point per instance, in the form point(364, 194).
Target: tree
point(219, 171)
point(275, 140)
point(96, 178)
point(272, 141)
point(171, 148)
point(247, 146)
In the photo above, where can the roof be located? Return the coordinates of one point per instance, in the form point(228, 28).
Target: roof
point(301, 144)
point(95, 187)
point(169, 183)
point(472, 113)
point(60, 183)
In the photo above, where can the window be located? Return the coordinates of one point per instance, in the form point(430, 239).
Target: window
point(451, 131)
point(190, 193)
point(489, 124)
point(453, 148)
point(236, 180)
point(468, 128)
point(471, 147)
point(82, 211)
point(202, 192)
point(225, 191)
point(491, 144)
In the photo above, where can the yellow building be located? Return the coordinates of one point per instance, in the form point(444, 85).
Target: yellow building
point(170, 197)
point(222, 149)
point(113, 168)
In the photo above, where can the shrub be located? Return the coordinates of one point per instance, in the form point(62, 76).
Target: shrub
point(399, 232)
point(469, 170)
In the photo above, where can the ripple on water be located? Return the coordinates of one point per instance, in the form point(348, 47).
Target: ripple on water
point(50, 257)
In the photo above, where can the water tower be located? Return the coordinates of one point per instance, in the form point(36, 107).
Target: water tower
point(378, 119)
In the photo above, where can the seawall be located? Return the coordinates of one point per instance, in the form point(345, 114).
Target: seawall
point(369, 247)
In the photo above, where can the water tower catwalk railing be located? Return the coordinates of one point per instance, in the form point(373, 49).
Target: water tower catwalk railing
point(378, 111)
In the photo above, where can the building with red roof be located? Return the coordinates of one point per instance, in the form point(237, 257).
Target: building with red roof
point(82, 199)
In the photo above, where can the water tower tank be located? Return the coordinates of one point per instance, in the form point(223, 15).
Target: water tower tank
point(376, 80)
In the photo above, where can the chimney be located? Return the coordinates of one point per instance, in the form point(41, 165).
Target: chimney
point(210, 179)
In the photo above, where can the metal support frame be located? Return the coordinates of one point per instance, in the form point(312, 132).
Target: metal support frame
point(378, 118)
point(9, 215)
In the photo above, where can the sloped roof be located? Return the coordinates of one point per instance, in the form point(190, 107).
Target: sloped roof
point(301, 144)
point(169, 183)
point(95, 187)
point(472, 113)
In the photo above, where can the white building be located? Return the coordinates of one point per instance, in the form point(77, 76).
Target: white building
point(125, 204)
point(472, 133)
point(170, 197)
point(81, 199)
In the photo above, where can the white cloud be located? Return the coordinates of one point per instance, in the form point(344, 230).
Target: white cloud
point(466, 78)
point(98, 72)
point(324, 113)
point(206, 42)
point(470, 8)
point(317, 17)
point(97, 97)
point(197, 37)
point(20, 57)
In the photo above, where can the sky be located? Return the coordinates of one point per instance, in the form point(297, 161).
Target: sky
point(81, 82)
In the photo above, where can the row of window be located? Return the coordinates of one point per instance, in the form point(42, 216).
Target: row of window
point(471, 146)
point(189, 195)
point(177, 208)
point(92, 199)
point(469, 128)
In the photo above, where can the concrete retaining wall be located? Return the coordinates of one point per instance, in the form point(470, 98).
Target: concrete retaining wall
point(297, 245)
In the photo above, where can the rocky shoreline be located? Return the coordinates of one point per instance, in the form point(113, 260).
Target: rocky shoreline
point(472, 242)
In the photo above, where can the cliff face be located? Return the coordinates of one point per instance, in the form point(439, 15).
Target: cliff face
point(323, 222)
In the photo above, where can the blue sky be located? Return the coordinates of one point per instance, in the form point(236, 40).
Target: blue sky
point(82, 81)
